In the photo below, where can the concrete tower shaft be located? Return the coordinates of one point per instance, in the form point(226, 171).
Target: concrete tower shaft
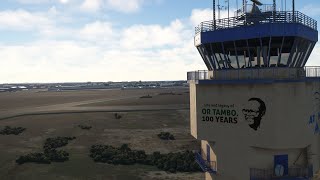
point(256, 110)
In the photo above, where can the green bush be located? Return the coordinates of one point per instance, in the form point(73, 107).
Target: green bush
point(12, 130)
point(117, 116)
point(57, 155)
point(170, 93)
point(85, 127)
point(172, 162)
point(50, 154)
point(123, 155)
point(166, 93)
point(147, 96)
point(39, 158)
point(57, 142)
point(177, 162)
point(166, 136)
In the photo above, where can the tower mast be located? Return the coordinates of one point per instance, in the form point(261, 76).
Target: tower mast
point(243, 5)
point(228, 13)
point(214, 14)
point(293, 10)
point(274, 10)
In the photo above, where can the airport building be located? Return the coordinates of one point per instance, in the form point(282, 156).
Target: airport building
point(256, 110)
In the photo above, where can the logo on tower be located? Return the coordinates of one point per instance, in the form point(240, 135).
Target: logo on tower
point(314, 119)
point(253, 112)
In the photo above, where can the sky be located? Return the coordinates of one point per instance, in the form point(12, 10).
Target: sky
point(45, 41)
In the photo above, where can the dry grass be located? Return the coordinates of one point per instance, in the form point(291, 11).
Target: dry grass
point(317, 177)
point(138, 129)
point(182, 98)
point(27, 99)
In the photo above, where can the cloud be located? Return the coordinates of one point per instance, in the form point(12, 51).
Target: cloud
point(98, 51)
point(33, 1)
point(126, 6)
point(49, 24)
point(201, 15)
point(155, 53)
point(64, 1)
point(21, 20)
point(42, 1)
point(92, 5)
point(97, 31)
point(67, 61)
point(152, 36)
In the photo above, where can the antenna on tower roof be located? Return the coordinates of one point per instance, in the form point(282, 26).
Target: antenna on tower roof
point(293, 9)
point(257, 2)
point(214, 14)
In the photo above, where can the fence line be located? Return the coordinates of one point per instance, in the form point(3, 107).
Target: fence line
point(255, 73)
point(264, 18)
point(267, 174)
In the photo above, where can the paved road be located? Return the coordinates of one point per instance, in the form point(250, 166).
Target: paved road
point(75, 107)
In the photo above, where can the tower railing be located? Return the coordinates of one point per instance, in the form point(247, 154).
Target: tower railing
point(312, 71)
point(198, 75)
point(205, 165)
point(268, 174)
point(248, 19)
point(256, 73)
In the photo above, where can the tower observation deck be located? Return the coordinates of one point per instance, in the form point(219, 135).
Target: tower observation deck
point(257, 37)
point(256, 109)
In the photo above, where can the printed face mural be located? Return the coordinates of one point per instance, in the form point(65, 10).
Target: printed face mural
point(253, 112)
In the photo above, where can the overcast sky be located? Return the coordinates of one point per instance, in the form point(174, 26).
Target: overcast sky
point(106, 40)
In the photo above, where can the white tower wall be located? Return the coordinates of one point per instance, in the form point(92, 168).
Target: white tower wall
point(220, 114)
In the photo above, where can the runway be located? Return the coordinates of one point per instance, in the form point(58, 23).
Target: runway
point(79, 107)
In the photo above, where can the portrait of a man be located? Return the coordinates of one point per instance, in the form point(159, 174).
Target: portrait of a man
point(253, 112)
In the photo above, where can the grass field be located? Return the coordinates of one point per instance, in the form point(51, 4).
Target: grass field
point(138, 129)
point(158, 99)
point(27, 99)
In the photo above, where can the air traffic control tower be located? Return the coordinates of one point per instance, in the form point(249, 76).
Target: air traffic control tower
point(256, 110)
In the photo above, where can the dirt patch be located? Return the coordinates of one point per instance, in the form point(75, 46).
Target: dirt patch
point(28, 99)
point(166, 99)
point(317, 177)
point(138, 129)
point(160, 175)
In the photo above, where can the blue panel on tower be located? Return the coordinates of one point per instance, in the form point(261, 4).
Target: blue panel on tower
point(281, 165)
point(260, 31)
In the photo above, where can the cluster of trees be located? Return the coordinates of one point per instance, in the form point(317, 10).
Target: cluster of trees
point(39, 158)
point(170, 93)
point(52, 144)
point(84, 127)
point(50, 154)
point(166, 136)
point(117, 116)
point(176, 162)
point(12, 130)
point(57, 155)
point(123, 155)
point(172, 162)
point(147, 96)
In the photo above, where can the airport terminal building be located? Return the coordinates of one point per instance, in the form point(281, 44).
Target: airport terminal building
point(256, 110)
